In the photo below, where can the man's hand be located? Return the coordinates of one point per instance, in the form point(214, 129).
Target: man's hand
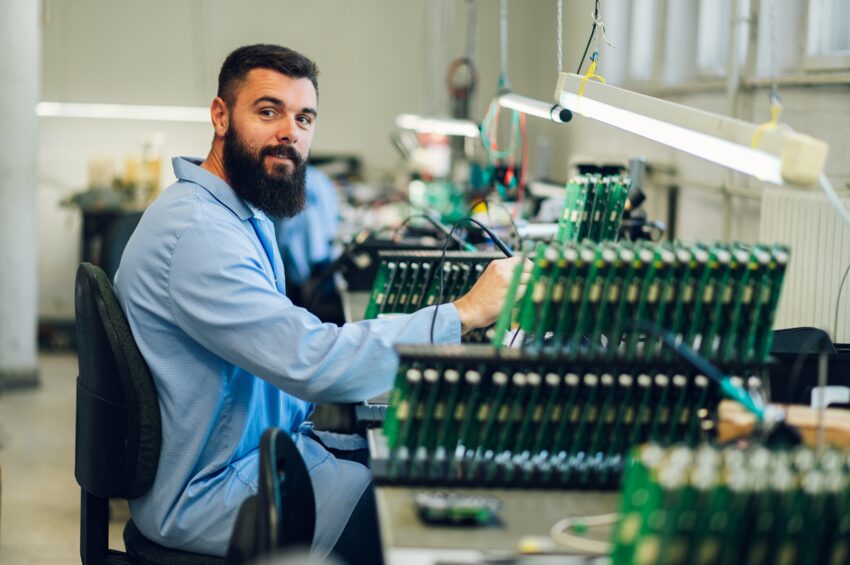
point(482, 305)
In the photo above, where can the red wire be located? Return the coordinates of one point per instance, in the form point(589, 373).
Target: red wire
point(524, 171)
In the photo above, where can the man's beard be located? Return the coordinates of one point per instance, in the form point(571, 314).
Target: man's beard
point(280, 193)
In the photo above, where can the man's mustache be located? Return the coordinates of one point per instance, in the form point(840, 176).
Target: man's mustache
point(284, 151)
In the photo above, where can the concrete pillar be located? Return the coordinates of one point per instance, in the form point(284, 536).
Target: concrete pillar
point(20, 81)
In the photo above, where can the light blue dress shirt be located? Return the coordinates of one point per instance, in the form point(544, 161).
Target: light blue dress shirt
point(305, 239)
point(202, 284)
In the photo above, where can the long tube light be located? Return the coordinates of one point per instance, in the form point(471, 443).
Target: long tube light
point(782, 157)
point(440, 126)
point(123, 112)
point(533, 107)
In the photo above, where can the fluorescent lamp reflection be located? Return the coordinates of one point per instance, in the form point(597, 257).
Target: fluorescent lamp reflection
point(538, 108)
point(439, 126)
point(123, 112)
point(736, 156)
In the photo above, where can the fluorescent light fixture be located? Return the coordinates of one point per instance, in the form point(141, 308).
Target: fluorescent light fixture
point(538, 108)
point(123, 112)
point(782, 156)
point(440, 126)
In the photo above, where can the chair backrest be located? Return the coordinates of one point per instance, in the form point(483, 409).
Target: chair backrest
point(118, 421)
point(115, 240)
point(283, 512)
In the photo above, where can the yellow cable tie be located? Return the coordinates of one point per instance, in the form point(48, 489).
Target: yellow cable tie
point(590, 74)
point(773, 123)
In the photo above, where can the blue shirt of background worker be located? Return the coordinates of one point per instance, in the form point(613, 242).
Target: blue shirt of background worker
point(306, 240)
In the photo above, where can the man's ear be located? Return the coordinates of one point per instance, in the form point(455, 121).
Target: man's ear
point(220, 116)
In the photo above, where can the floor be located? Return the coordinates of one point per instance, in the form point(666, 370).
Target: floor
point(39, 498)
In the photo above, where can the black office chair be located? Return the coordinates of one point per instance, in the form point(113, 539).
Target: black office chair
point(118, 427)
point(115, 240)
point(118, 443)
point(282, 514)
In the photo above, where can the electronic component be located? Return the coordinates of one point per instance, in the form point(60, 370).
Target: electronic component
point(585, 298)
point(409, 280)
point(473, 415)
point(456, 509)
point(715, 505)
point(593, 208)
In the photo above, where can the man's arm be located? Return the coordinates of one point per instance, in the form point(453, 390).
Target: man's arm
point(223, 298)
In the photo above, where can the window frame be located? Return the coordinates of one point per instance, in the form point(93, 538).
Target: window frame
point(812, 59)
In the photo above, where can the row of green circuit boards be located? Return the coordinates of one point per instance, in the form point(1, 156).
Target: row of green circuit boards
point(583, 298)
point(409, 280)
point(472, 415)
point(593, 208)
point(712, 505)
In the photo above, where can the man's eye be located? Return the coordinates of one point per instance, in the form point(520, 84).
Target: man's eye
point(305, 119)
point(267, 112)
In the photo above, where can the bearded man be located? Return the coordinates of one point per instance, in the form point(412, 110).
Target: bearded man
point(202, 284)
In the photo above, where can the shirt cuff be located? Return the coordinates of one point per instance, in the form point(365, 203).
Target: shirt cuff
point(447, 327)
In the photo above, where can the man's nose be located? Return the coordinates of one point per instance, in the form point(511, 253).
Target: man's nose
point(286, 132)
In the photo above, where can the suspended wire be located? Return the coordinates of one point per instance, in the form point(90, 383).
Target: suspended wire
point(774, 66)
point(559, 48)
point(589, 39)
point(838, 303)
point(470, 29)
point(774, 98)
point(441, 269)
point(503, 66)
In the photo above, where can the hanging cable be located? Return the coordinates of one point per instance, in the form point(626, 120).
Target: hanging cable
point(508, 165)
point(559, 48)
point(470, 29)
point(589, 39)
point(493, 237)
point(774, 96)
point(504, 83)
point(774, 67)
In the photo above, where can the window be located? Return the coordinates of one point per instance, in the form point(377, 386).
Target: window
point(715, 21)
point(642, 40)
point(828, 41)
point(680, 45)
point(614, 58)
point(781, 38)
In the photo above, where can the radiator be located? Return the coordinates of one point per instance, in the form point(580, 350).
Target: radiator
point(820, 252)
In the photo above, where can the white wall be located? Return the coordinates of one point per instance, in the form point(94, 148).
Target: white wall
point(376, 60)
point(373, 57)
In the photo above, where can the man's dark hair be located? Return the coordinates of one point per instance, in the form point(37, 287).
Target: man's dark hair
point(262, 56)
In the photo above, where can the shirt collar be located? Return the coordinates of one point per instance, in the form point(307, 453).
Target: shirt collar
point(189, 169)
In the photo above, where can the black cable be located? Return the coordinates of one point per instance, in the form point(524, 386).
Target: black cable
point(496, 240)
point(406, 221)
point(513, 339)
point(486, 202)
point(412, 217)
point(440, 227)
point(442, 280)
point(589, 39)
